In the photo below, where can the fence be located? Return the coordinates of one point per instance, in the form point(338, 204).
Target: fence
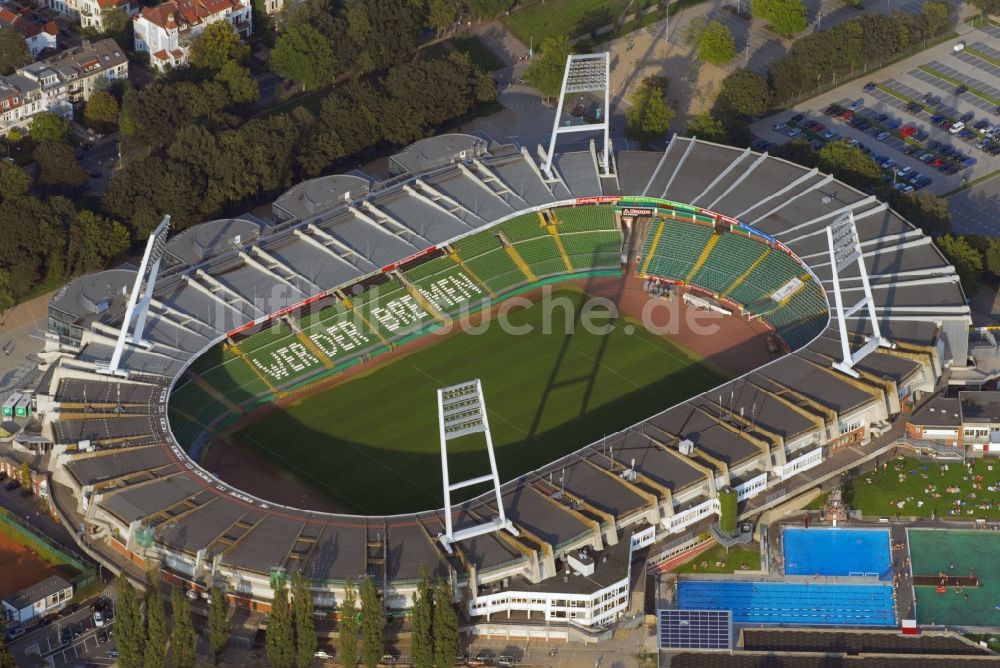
point(48, 547)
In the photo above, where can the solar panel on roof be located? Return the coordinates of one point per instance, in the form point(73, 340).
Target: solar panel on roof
point(696, 629)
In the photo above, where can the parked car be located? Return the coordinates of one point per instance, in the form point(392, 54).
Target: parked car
point(857, 104)
point(921, 135)
point(870, 87)
point(810, 124)
point(956, 128)
point(893, 124)
point(322, 655)
point(778, 127)
point(888, 164)
point(908, 131)
point(904, 171)
point(793, 132)
point(846, 116)
point(830, 135)
point(797, 118)
point(863, 125)
point(14, 633)
point(961, 89)
point(102, 637)
point(967, 116)
point(13, 484)
point(882, 136)
point(98, 619)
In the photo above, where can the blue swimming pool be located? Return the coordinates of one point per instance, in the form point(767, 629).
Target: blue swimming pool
point(837, 552)
point(792, 603)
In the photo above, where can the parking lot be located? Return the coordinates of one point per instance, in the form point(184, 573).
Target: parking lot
point(935, 117)
point(69, 640)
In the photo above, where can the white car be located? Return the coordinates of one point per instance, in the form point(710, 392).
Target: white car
point(98, 620)
point(959, 47)
point(956, 128)
point(323, 655)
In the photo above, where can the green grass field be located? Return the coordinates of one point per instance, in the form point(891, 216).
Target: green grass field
point(912, 488)
point(370, 444)
point(562, 17)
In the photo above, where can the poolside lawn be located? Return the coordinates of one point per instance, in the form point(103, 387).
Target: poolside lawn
point(717, 560)
point(909, 487)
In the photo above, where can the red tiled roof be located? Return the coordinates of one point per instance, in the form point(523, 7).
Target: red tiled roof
point(161, 54)
point(108, 4)
point(161, 15)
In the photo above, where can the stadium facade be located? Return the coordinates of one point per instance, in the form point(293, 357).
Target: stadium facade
point(122, 476)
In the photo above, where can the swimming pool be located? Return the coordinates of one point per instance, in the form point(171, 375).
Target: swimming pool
point(837, 552)
point(792, 602)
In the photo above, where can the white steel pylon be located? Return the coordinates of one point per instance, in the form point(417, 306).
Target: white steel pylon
point(462, 411)
point(585, 73)
point(138, 307)
point(845, 248)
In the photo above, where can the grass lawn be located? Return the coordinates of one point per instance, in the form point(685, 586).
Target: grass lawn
point(913, 488)
point(547, 394)
point(562, 17)
point(717, 560)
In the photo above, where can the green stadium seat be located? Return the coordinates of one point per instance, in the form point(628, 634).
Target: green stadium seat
point(678, 249)
point(586, 219)
point(730, 258)
point(774, 271)
point(497, 270)
point(523, 227)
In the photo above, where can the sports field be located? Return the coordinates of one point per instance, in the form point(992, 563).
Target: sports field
point(957, 552)
point(370, 443)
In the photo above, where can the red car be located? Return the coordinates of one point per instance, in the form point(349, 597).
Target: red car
point(937, 162)
point(847, 115)
point(819, 127)
point(908, 131)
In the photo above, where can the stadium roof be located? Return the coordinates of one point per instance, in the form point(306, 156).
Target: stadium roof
point(916, 292)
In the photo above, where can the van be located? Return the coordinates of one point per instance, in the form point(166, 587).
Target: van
point(956, 128)
point(959, 47)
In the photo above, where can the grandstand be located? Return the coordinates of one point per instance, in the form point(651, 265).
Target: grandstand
point(355, 265)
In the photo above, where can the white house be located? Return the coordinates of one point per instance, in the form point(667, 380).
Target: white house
point(38, 33)
point(56, 83)
point(166, 31)
point(38, 600)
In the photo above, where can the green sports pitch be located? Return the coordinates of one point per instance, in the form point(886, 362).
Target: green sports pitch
point(370, 444)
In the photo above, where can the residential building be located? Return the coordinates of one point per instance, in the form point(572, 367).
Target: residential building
point(55, 84)
point(38, 600)
point(166, 31)
point(90, 13)
point(38, 32)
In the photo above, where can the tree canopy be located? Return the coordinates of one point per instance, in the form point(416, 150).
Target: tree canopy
point(217, 45)
point(14, 51)
point(183, 637)
point(744, 95)
point(348, 636)
point(46, 126)
point(967, 261)
point(649, 116)
point(849, 164)
point(372, 624)
point(546, 71)
point(786, 17)
point(705, 126)
point(102, 111)
point(304, 55)
point(716, 45)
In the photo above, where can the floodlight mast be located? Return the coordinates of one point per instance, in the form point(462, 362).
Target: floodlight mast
point(845, 248)
point(462, 411)
point(138, 308)
point(584, 73)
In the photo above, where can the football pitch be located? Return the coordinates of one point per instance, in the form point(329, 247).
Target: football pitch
point(370, 443)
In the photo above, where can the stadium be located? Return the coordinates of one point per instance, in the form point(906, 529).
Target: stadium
point(145, 370)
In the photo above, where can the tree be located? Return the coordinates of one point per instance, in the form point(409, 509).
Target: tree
point(26, 480)
point(422, 618)
point(446, 635)
point(302, 615)
point(304, 55)
point(991, 256)
point(218, 623)
point(242, 87)
point(743, 94)
point(715, 45)
point(967, 261)
point(217, 45)
point(383, 33)
point(131, 637)
point(649, 116)
point(798, 151)
point(59, 170)
point(14, 181)
point(926, 211)
point(14, 51)
point(442, 14)
point(46, 126)
point(705, 126)
point(938, 15)
point(849, 164)
point(348, 634)
point(93, 240)
point(786, 17)
point(102, 110)
point(489, 9)
point(6, 658)
point(546, 71)
point(183, 637)
point(116, 24)
point(372, 624)
point(280, 641)
point(991, 7)
point(155, 650)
